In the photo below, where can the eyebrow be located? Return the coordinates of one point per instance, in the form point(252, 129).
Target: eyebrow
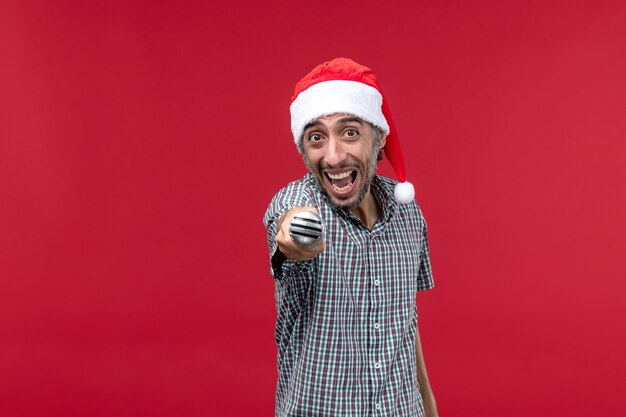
point(344, 120)
point(350, 119)
point(314, 123)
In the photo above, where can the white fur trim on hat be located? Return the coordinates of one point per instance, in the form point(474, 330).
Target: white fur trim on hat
point(336, 96)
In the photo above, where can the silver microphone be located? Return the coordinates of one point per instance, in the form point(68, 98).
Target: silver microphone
point(306, 229)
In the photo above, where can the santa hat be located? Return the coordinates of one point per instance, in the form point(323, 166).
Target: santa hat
point(343, 86)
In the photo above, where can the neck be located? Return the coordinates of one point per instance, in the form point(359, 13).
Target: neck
point(368, 211)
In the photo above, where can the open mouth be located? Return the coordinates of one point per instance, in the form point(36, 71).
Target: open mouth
point(341, 182)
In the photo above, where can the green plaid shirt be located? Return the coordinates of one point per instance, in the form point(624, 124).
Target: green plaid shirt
point(347, 320)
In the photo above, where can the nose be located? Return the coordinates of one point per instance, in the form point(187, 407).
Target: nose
point(335, 153)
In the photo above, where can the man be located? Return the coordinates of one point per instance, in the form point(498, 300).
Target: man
point(346, 332)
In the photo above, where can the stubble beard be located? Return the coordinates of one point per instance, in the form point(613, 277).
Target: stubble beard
point(366, 180)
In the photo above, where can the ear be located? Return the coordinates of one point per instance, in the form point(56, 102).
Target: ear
point(383, 141)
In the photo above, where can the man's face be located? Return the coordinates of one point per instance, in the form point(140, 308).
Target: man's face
point(341, 151)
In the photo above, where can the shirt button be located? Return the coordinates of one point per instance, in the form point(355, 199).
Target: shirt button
point(376, 326)
point(378, 407)
point(376, 282)
point(377, 365)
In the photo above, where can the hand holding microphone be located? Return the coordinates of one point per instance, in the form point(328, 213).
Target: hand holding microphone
point(301, 234)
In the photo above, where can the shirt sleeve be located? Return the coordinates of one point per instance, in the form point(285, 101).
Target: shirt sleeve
point(293, 195)
point(425, 275)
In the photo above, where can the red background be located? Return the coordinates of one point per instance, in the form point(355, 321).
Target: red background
point(140, 143)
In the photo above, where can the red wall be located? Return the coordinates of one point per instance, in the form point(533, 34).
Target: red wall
point(140, 143)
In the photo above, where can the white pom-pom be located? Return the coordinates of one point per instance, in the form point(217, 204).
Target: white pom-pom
point(404, 192)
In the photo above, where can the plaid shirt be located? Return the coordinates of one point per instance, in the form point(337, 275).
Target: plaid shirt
point(347, 320)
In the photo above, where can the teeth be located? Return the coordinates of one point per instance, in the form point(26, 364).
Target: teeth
point(339, 176)
point(342, 189)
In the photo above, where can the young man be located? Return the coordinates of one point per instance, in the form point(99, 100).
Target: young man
point(347, 337)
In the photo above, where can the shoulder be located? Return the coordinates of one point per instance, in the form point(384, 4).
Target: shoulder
point(298, 190)
point(412, 209)
point(298, 193)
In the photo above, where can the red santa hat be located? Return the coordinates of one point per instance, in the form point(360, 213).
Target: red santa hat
point(344, 86)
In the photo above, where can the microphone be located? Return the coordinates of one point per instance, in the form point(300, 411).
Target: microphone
point(306, 229)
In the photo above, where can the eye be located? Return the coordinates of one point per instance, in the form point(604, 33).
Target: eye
point(351, 133)
point(315, 137)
